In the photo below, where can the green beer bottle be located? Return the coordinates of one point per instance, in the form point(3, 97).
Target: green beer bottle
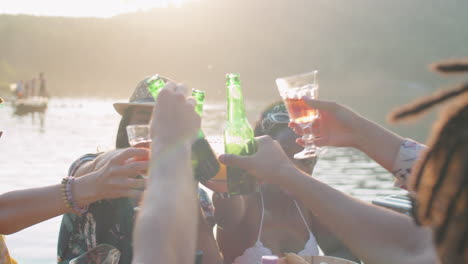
point(238, 138)
point(155, 84)
point(204, 162)
point(199, 96)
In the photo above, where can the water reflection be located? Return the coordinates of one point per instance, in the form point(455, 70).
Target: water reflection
point(34, 107)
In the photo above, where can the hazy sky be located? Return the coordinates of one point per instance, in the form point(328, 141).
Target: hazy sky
point(80, 8)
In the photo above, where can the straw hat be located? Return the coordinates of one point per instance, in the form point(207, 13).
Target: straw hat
point(140, 97)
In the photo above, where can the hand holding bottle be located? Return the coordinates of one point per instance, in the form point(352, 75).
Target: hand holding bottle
point(268, 164)
point(174, 118)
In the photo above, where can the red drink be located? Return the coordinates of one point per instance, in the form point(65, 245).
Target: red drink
point(299, 111)
point(145, 143)
point(140, 143)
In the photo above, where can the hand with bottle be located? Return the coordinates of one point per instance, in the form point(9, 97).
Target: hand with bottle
point(174, 117)
point(269, 163)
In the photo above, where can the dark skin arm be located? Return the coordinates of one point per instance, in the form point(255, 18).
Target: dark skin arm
point(229, 212)
point(328, 242)
point(206, 241)
point(230, 216)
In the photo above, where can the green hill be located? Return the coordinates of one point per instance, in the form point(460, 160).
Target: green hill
point(361, 47)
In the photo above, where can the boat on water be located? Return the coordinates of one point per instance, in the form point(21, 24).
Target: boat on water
point(36, 104)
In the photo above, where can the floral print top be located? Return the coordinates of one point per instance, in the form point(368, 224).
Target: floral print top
point(409, 153)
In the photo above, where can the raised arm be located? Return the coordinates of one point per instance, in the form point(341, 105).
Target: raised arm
point(166, 227)
point(341, 127)
point(23, 208)
point(373, 234)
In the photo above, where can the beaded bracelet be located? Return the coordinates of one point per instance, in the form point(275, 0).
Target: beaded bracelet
point(68, 196)
point(64, 193)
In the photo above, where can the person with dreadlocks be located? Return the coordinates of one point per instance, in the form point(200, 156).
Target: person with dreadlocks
point(438, 181)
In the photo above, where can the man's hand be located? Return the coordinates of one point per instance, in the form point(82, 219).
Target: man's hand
point(174, 117)
point(268, 164)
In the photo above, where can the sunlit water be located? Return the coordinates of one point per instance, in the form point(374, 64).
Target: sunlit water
point(32, 156)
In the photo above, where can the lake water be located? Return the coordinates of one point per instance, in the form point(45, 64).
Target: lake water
point(33, 155)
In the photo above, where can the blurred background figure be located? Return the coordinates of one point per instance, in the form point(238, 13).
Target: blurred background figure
point(42, 85)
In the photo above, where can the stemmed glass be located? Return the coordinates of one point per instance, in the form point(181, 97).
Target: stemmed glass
point(292, 89)
point(139, 136)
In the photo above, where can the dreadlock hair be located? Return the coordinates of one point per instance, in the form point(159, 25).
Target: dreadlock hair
point(422, 105)
point(450, 66)
point(426, 103)
point(440, 178)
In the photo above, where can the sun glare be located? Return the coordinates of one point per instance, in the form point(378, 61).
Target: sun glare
point(83, 8)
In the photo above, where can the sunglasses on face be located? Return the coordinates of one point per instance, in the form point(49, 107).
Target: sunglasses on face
point(273, 119)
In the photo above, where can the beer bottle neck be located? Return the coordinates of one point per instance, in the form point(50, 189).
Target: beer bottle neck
point(155, 84)
point(199, 108)
point(200, 99)
point(199, 105)
point(235, 104)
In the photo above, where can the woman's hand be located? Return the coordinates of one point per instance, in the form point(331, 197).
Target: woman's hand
point(339, 126)
point(100, 161)
point(336, 126)
point(116, 178)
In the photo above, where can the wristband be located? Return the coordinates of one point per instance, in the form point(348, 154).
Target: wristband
point(67, 196)
point(407, 156)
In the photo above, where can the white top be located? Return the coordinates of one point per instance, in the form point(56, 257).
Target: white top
point(253, 255)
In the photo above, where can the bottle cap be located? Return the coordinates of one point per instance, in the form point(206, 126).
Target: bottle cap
point(198, 93)
point(232, 78)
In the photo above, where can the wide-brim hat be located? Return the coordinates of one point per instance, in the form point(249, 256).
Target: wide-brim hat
point(140, 96)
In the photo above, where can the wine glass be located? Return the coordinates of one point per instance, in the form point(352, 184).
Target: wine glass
point(139, 136)
point(292, 89)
